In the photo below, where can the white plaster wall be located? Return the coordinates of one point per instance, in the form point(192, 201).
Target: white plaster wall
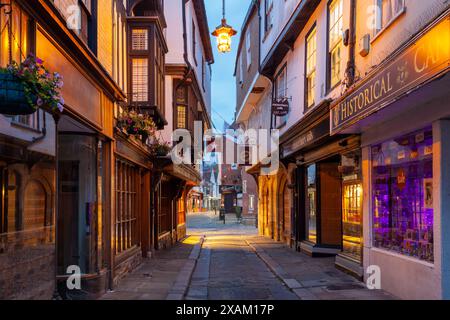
point(418, 14)
point(282, 11)
point(295, 62)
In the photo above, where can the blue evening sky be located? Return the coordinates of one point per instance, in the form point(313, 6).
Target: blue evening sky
point(223, 81)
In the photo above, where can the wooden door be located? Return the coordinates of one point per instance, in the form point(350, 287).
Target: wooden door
point(330, 204)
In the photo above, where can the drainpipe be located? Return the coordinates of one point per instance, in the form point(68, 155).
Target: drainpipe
point(350, 72)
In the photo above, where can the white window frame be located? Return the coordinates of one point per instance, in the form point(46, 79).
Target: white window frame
point(335, 38)
point(268, 15)
point(379, 27)
point(311, 69)
point(248, 44)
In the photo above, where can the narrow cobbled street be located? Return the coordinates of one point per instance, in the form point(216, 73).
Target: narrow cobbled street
point(231, 262)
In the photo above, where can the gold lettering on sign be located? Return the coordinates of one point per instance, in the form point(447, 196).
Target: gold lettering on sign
point(426, 55)
point(423, 59)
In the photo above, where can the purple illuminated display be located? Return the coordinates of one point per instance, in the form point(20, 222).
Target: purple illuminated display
point(402, 184)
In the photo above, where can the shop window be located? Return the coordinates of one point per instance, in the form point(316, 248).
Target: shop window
point(127, 192)
point(387, 12)
point(311, 205)
point(79, 186)
point(335, 11)
point(351, 219)
point(17, 30)
point(402, 184)
point(311, 60)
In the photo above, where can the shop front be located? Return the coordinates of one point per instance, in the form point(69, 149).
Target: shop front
point(326, 187)
point(81, 222)
point(401, 111)
point(172, 187)
point(132, 219)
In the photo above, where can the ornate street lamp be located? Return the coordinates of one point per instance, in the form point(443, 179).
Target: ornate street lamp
point(223, 33)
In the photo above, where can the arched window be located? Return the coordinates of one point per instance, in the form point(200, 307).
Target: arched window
point(34, 206)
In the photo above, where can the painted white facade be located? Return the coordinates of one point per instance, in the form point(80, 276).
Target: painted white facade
point(403, 276)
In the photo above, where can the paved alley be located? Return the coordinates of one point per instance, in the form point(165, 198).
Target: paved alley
point(231, 262)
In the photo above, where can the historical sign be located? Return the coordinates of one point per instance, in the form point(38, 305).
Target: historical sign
point(307, 138)
point(424, 59)
point(280, 107)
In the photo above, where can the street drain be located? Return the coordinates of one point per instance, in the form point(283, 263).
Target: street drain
point(338, 287)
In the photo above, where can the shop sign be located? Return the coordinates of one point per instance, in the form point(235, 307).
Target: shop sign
point(307, 138)
point(280, 107)
point(424, 59)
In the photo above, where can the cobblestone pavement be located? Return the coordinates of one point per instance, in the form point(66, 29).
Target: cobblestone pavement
point(231, 262)
point(236, 263)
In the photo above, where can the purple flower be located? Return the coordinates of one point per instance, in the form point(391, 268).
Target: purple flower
point(61, 100)
point(39, 102)
point(60, 107)
point(39, 61)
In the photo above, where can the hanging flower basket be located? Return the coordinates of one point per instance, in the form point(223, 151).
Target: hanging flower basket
point(26, 87)
point(160, 149)
point(137, 124)
point(12, 96)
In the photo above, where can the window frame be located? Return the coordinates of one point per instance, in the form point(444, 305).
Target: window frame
point(313, 30)
point(379, 28)
point(248, 45)
point(268, 10)
point(332, 47)
point(280, 121)
point(179, 106)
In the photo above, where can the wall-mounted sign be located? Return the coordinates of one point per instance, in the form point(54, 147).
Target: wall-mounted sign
point(280, 107)
point(422, 60)
point(307, 138)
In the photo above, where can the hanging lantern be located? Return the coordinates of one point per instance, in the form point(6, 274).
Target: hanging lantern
point(223, 33)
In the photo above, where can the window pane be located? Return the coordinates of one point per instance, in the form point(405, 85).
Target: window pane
point(352, 220)
point(140, 79)
point(311, 229)
point(181, 117)
point(139, 39)
point(402, 183)
point(335, 65)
